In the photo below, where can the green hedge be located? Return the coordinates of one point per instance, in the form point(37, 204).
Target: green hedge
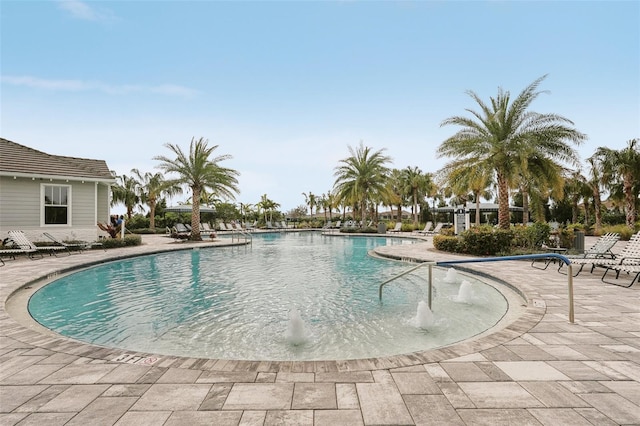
point(127, 241)
point(448, 243)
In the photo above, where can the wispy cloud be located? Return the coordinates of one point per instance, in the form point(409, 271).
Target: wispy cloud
point(97, 86)
point(82, 10)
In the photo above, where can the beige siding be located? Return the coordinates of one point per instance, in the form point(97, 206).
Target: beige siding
point(21, 208)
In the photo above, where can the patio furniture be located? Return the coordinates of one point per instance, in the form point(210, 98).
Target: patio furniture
point(20, 239)
point(598, 252)
point(78, 246)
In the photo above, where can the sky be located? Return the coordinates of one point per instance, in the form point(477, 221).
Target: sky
point(285, 88)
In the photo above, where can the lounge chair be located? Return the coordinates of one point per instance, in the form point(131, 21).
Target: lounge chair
point(435, 230)
point(628, 260)
point(597, 253)
point(79, 246)
point(426, 230)
point(180, 231)
point(11, 250)
point(627, 268)
point(398, 227)
point(20, 239)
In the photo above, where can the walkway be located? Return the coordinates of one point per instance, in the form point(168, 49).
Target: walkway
point(540, 370)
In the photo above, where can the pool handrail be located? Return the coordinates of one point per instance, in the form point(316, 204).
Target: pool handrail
point(547, 256)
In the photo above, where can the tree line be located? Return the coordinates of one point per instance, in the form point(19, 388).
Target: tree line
point(502, 148)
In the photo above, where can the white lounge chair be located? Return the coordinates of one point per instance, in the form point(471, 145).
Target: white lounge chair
point(600, 252)
point(426, 230)
point(20, 239)
point(436, 230)
point(398, 227)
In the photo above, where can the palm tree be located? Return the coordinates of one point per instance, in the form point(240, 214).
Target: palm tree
point(267, 205)
point(361, 176)
point(153, 187)
point(623, 166)
point(198, 171)
point(126, 191)
point(538, 178)
point(416, 185)
point(504, 134)
point(310, 200)
point(595, 183)
point(574, 190)
point(394, 194)
point(462, 178)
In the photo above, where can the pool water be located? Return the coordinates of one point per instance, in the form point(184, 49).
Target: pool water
point(235, 302)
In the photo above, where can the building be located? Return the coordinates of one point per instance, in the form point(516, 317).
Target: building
point(40, 192)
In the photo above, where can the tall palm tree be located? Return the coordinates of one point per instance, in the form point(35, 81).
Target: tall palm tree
point(394, 195)
point(153, 187)
point(623, 166)
point(573, 191)
point(126, 191)
point(329, 203)
point(310, 200)
point(361, 176)
point(267, 206)
point(595, 183)
point(504, 133)
point(416, 184)
point(198, 171)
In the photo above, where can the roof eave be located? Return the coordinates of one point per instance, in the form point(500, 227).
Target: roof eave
point(59, 177)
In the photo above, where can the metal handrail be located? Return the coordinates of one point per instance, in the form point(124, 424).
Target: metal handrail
point(402, 274)
point(560, 257)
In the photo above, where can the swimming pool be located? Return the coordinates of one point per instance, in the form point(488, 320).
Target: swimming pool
point(235, 302)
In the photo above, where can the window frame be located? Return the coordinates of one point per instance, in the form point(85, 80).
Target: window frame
point(44, 205)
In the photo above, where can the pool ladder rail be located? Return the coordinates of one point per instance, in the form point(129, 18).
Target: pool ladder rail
point(545, 256)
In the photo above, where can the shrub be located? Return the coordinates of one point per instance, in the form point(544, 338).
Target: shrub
point(128, 240)
point(485, 240)
point(624, 231)
point(137, 221)
point(531, 237)
point(447, 243)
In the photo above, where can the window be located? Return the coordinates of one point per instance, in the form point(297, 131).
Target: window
point(56, 204)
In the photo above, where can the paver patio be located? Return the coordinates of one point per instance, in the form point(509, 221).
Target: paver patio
point(539, 370)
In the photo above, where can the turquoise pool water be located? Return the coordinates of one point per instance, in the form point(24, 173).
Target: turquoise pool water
point(235, 302)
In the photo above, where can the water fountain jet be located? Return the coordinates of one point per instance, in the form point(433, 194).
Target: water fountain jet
point(295, 334)
point(465, 292)
point(452, 276)
point(424, 316)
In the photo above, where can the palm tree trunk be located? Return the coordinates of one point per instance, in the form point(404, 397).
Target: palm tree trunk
point(477, 195)
point(629, 200)
point(415, 207)
point(152, 214)
point(525, 207)
point(195, 215)
point(597, 205)
point(503, 202)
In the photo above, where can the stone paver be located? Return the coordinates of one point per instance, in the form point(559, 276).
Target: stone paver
point(539, 370)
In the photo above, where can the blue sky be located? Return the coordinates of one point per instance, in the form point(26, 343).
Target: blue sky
point(286, 87)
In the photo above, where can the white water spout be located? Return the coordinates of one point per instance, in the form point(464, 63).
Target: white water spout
point(295, 334)
point(424, 316)
point(465, 292)
point(452, 276)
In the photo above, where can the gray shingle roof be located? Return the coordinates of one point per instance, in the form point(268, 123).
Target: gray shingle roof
point(20, 159)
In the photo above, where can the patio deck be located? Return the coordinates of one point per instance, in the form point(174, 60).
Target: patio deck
point(540, 370)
